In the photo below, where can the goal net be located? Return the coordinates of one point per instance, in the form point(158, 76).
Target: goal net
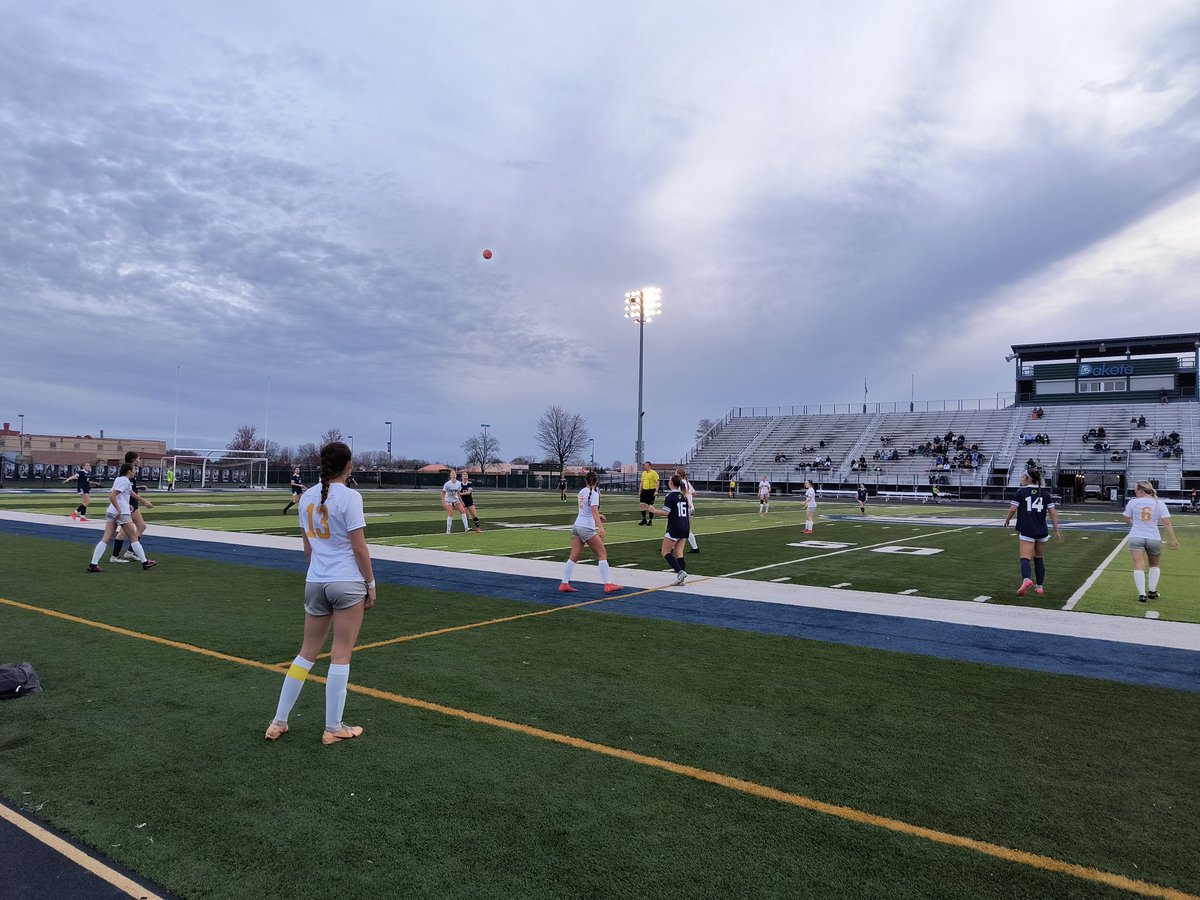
point(220, 468)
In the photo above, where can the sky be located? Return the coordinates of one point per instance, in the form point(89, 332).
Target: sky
point(216, 214)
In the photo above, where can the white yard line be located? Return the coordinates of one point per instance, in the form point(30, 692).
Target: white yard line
point(784, 578)
point(908, 591)
point(841, 584)
point(982, 598)
point(837, 552)
point(1091, 579)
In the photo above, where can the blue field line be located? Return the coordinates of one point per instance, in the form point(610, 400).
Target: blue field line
point(1087, 657)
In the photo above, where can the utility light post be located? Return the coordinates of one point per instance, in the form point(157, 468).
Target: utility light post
point(351, 446)
point(21, 439)
point(642, 306)
point(593, 440)
point(389, 425)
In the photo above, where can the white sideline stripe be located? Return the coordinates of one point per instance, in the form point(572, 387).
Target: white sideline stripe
point(1092, 579)
point(621, 566)
point(982, 598)
point(841, 584)
point(1095, 626)
point(1152, 614)
point(543, 557)
point(784, 578)
point(836, 552)
point(908, 591)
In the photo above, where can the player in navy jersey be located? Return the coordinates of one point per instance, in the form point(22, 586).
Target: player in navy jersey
point(83, 484)
point(467, 496)
point(297, 489)
point(1031, 505)
point(675, 508)
point(862, 499)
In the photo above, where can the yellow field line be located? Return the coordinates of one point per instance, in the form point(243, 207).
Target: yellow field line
point(846, 813)
point(541, 612)
point(77, 856)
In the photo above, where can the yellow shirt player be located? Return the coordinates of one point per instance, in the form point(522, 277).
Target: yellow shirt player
point(649, 492)
point(732, 487)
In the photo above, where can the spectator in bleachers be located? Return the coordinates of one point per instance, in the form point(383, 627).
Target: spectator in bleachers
point(1100, 433)
point(1137, 445)
point(1141, 421)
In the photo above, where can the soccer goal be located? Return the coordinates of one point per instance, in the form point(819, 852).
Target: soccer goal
point(217, 468)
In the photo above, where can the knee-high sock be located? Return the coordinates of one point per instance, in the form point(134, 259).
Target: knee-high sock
point(567, 569)
point(466, 527)
point(1154, 573)
point(692, 540)
point(682, 560)
point(293, 683)
point(98, 551)
point(603, 567)
point(118, 546)
point(1139, 580)
point(1039, 570)
point(449, 523)
point(138, 552)
point(335, 694)
point(670, 558)
point(1027, 569)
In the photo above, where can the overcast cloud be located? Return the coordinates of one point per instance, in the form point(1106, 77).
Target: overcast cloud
point(300, 193)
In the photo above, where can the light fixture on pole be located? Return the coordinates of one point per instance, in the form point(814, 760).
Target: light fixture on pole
point(389, 425)
point(593, 440)
point(21, 439)
point(351, 445)
point(642, 306)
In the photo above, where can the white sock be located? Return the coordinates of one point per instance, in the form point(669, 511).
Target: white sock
point(1154, 573)
point(603, 566)
point(335, 694)
point(138, 552)
point(98, 552)
point(449, 522)
point(692, 540)
point(466, 527)
point(293, 683)
point(567, 569)
point(808, 524)
point(1139, 579)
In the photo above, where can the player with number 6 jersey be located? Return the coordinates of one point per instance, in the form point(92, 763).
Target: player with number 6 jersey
point(1144, 513)
point(1031, 505)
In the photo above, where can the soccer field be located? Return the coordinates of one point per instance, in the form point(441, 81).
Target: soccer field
point(952, 551)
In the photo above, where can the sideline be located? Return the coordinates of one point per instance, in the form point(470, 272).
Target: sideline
point(1095, 576)
point(846, 813)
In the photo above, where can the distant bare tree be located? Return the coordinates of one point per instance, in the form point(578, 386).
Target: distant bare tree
point(523, 460)
point(308, 455)
point(617, 465)
point(333, 434)
point(703, 427)
point(481, 449)
point(371, 459)
point(245, 438)
point(561, 435)
point(400, 462)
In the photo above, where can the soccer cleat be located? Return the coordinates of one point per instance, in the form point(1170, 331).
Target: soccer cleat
point(1025, 586)
point(83, 518)
point(74, 515)
point(478, 529)
point(1141, 598)
point(611, 588)
point(680, 578)
point(149, 564)
point(1151, 595)
point(1039, 590)
point(129, 554)
point(117, 559)
point(275, 731)
point(92, 567)
point(344, 733)
point(565, 588)
point(808, 531)
point(693, 550)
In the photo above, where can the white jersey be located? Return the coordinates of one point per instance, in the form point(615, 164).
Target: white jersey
point(589, 506)
point(689, 493)
point(450, 492)
point(1146, 513)
point(328, 532)
point(764, 489)
point(124, 487)
point(810, 498)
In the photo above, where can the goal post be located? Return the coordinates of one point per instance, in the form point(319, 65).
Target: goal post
point(218, 469)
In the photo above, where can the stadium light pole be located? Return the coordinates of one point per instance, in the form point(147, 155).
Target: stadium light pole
point(351, 445)
point(21, 439)
point(593, 440)
point(642, 306)
point(389, 425)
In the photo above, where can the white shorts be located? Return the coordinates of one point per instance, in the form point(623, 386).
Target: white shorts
point(1035, 540)
point(321, 599)
point(810, 506)
point(764, 498)
point(1150, 545)
point(119, 518)
point(584, 532)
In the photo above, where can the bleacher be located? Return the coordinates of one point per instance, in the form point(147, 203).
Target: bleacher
point(989, 428)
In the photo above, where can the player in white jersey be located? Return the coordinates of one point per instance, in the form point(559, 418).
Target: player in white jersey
point(118, 519)
point(452, 502)
point(588, 531)
point(1144, 513)
point(810, 506)
point(690, 493)
point(764, 496)
point(338, 589)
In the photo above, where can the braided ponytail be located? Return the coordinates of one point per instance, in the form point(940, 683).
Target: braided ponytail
point(334, 459)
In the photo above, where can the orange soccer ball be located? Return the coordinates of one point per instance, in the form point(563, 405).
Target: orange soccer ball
point(487, 254)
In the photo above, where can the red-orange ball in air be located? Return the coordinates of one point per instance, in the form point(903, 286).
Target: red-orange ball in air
point(487, 254)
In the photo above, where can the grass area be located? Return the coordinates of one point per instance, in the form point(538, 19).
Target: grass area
point(950, 551)
point(1179, 588)
point(428, 804)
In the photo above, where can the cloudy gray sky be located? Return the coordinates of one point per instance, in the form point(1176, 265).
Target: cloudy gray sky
point(298, 193)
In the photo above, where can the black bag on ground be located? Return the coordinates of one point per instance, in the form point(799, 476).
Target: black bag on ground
point(17, 680)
